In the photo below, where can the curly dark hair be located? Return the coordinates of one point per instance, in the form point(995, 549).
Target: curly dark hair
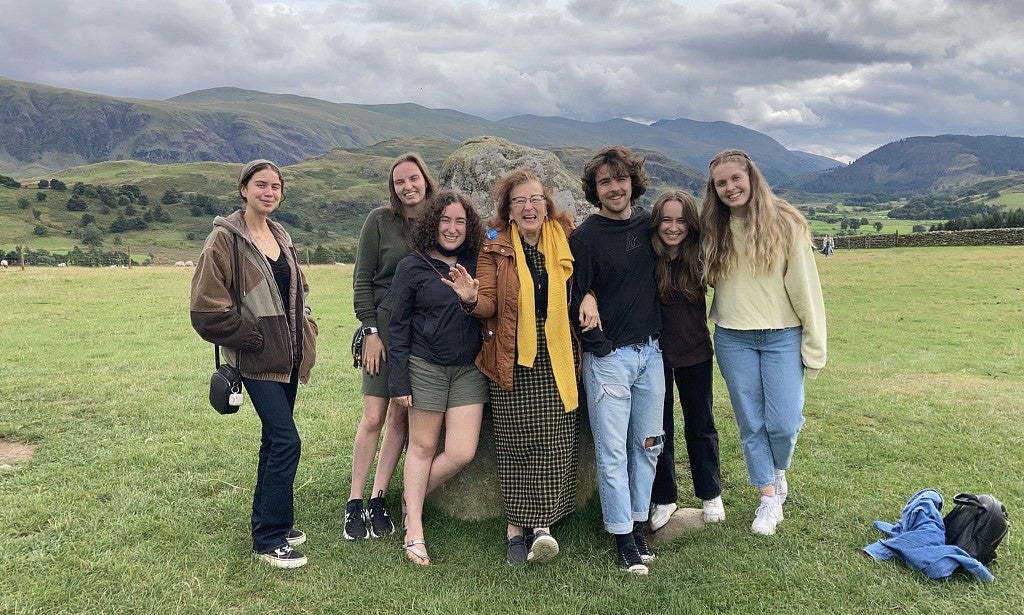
point(424, 234)
point(622, 161)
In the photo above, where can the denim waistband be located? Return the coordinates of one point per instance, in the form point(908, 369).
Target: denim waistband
point(643, 342)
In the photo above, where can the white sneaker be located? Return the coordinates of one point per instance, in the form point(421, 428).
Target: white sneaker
point(660, 514)
point(767, 516)
point(781, 486)
point(714, 510)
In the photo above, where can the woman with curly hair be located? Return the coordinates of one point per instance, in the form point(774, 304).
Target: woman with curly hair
point(432, 344)
point(769, 318)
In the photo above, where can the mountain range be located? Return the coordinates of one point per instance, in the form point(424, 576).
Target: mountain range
point(45, 129)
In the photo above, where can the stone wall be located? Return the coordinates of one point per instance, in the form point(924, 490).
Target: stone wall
point(979, 237)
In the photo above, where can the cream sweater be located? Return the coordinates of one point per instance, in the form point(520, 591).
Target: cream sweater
point(788, 296)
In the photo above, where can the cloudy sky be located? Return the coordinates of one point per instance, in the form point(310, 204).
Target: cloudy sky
point(833, 77)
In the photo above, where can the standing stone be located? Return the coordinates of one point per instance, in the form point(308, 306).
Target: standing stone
point(478, 163)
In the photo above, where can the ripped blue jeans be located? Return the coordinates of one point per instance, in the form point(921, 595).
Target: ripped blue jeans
point(625, 398)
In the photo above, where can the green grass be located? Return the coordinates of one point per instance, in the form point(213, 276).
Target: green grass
point(137, 500)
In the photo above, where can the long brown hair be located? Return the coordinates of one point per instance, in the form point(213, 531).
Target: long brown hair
point(687, 278)
point(397, 207)
point(769, 222)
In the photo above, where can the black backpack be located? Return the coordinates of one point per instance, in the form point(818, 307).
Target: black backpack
point(977, 524)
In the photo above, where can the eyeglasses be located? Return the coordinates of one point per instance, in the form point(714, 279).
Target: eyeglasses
point(536, 199)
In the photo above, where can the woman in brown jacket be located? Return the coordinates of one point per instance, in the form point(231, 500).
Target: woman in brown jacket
point(528, 354)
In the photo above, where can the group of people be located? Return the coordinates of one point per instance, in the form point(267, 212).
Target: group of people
point(535, 316)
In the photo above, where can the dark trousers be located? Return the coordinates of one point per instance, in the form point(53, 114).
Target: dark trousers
point(694, 384)
point(273, 511)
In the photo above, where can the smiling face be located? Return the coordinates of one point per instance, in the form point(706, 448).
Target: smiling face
point(451, 231)
point(263, 191)
point(409, 184)
point(613, 192)
point(672, 227)
point(732, 184)
point(527, 207)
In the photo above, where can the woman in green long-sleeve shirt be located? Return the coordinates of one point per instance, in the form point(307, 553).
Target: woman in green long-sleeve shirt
point(382, 243)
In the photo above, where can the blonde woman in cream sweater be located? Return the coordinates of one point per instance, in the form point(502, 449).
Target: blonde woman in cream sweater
point(769, 318)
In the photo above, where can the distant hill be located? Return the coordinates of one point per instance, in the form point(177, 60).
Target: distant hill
point(328, 197)
point(922, 164)
point(48, 128)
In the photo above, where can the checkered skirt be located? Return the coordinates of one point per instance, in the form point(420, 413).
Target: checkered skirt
point(537, 444)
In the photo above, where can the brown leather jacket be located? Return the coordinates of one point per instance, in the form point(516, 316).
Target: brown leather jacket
point(497, 307)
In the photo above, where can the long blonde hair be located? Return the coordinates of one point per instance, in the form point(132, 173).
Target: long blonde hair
point(768, 223)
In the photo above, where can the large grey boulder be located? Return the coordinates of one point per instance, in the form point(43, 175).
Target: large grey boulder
point(475, 493)
point(478, 163)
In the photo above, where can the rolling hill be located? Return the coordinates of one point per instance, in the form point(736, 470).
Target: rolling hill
point(48, 128)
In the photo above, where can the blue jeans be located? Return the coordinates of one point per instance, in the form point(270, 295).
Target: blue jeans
point(625, 396)
point(765, 377)
point(273, 511)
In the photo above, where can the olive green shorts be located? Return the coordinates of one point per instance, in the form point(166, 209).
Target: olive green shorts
point(439, 387)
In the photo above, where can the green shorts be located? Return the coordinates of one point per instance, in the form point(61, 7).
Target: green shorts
point(439, 387)
point(377, 386)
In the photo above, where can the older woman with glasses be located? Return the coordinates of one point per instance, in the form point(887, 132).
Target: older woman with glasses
point(528, 354)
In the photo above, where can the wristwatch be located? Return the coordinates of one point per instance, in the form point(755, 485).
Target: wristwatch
point(369, 331)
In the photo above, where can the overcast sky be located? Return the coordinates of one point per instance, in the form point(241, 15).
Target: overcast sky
point(834, 77)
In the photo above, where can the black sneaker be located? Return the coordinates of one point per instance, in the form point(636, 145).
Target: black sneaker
point(295, 537)
point(629, 559)
point(283, 557)
point(355, 521)
point(641, 543)
point(543, 547)
point(380, 521)
point(515, 551)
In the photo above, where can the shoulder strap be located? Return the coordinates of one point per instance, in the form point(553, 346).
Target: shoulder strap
point(238, 297)
point(427, 261)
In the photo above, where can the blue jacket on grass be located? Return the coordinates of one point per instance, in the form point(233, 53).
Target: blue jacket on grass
point(919, 539)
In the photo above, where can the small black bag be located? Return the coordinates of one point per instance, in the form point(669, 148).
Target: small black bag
point(977, 524)
point(226, 387)
point(226, 382)
point(357, 347)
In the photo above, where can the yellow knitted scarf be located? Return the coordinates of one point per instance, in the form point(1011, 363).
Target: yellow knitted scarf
point(558, 264)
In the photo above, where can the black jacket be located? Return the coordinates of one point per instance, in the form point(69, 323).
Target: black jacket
point(427, 320)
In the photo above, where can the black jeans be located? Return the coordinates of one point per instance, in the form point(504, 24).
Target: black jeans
point(273, 511)
point(694, 384)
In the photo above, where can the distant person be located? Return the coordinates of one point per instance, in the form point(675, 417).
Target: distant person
point(686, 352)
point(623, 372)
point(769, 318)
point(528, 355)
point(275, 337)
point(383, 242)
point(432, 346)
point(828, 246)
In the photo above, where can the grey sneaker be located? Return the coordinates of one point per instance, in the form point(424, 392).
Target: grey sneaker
point(515, 551)
point(283, 557)
point(543, 549)
point(355, 520)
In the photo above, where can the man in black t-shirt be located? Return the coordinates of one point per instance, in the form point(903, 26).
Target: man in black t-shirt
point(622, 366)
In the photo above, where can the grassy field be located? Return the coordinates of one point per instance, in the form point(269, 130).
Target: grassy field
point(137, 499)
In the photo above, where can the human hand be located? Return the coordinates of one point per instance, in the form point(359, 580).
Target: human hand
point(589, 315)
point(464, 285)
point(373, 354)
point(405, 401)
